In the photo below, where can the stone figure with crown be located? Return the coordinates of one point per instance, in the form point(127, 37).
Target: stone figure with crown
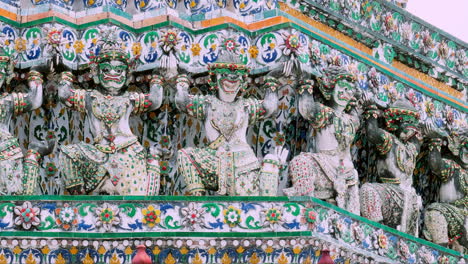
point(228, 164)
point(115, 163)
point(446, 221)
point(393, 200)
point(19, 174)
point(328, 173)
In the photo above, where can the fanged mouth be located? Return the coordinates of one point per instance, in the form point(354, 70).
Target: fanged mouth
point(343, 97)
point(230, 85)
point(116, 78)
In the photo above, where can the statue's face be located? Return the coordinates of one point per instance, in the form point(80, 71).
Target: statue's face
point(229, 84)
point(343, 92)
point(113, 76)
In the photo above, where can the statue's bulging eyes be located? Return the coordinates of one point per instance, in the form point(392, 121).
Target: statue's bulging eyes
point(105, 69)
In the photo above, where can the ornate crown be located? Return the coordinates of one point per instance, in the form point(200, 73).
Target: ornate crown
point(229, 61)
point(401, 112)
point(330, 77)
point(111, 50)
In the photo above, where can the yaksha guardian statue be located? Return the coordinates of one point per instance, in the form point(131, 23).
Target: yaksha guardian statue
point(115, 163)
point(228, 164)
point(393, 201)
point(19, 174)
point(446, 222)
point(328, 173)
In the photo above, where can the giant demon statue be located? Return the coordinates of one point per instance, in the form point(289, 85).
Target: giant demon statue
point(446, 221)
point(18, 174)
point(329, 173)
point(393, 200)
point(228, 164)
point(115, 163)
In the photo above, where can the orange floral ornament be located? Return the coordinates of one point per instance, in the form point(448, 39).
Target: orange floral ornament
point(66, 216)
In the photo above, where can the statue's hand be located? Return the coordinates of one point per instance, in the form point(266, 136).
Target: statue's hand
point(279, 154)
point(306, 86)
point(34, 80)
point(183, 82)
point(65, 85)
point(163, 153)
point(156, 80)
point(282, 153)
point(271, 83)
point(43, 147)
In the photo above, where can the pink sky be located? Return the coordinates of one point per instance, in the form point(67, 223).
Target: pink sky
point(448, 15)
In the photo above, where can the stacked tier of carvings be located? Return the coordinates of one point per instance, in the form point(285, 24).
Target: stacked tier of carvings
point(169, 48)
point(116, 163)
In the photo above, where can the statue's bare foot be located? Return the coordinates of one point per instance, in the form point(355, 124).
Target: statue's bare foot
point(198, 193)
point(75, 190)
point(43, 147)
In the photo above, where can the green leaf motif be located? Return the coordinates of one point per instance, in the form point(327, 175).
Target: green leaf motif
point(389, 54)
point(414, 45)
point(170, 223)
point(432, 54)
point(362, 67)
point(128, 209)
point(334, 6)
point(82, 208)
point(90, 34)
point(244, 59)
point(267, 38)
point(413, 247)
point(269, 128)
point(293, 208)
point(49, 223)
point(323, 214)
point(251, 223)
point(212, 208)
point(376, 26)
point(150, 37)
point(377, 7)
point(435, 36)
point(415, 27)
point(184, 57)
point(397, 16)
point(5, 208)
point(33, 33)
point(391, 252)
point(346, 236)
point(69, 55)
point(355, 16)
point(324, 49)
point(450, 64)
point(209, 40)
point(304, 58)
point(400, 87)
point(452, 45)
point(367, 229)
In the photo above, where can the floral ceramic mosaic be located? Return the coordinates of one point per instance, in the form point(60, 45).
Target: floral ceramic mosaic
point(286, 222)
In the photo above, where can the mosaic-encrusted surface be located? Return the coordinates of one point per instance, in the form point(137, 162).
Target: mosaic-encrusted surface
point(87, 219)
